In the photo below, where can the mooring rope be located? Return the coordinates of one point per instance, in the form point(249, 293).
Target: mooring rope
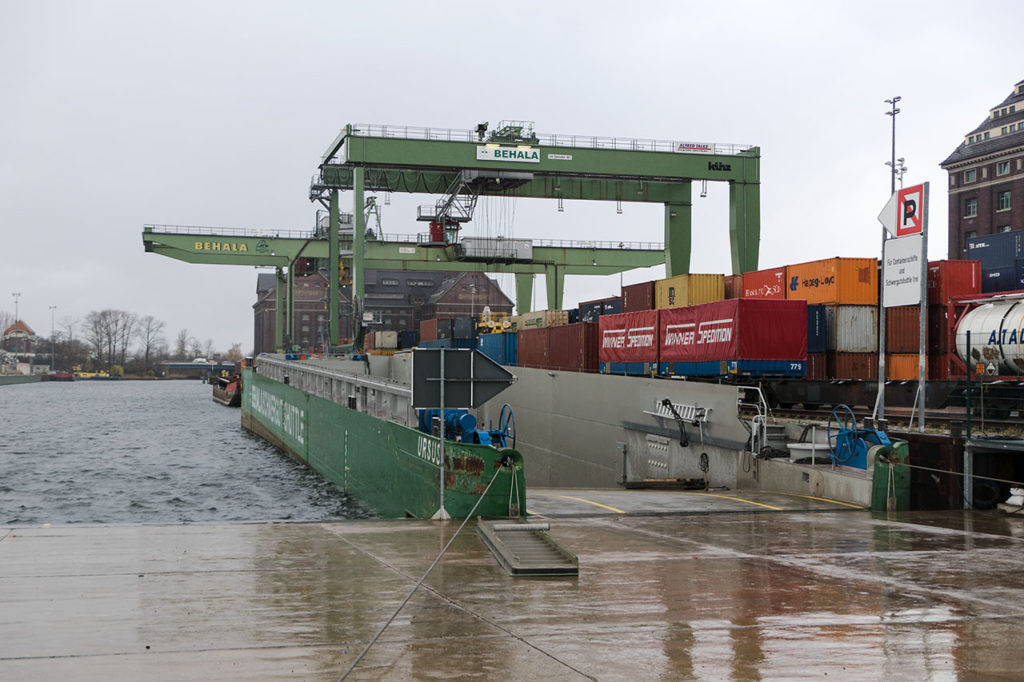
point(420, 581)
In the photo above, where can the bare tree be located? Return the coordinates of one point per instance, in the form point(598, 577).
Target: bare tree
point(150, 334)
point(181, 343)
point(208, 350)
point(195, 350)
point(6, 320)
point(234, 353)
point(109, 332)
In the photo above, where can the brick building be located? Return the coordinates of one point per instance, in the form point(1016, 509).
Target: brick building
point(398, 300)
point(986, 176)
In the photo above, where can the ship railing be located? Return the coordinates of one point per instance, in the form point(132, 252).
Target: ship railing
point(552, 243)
point(230, 231)
point(404, 132)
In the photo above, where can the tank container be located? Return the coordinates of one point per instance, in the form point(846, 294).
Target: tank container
point(996, 331)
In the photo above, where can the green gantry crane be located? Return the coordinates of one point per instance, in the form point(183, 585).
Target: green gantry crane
point(462, 165)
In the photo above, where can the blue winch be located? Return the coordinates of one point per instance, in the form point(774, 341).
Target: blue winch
point(849, 445)
point(460, 425)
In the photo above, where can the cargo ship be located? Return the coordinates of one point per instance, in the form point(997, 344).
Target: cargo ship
point(352, 421)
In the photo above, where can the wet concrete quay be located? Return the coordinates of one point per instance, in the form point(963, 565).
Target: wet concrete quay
point(672, 585)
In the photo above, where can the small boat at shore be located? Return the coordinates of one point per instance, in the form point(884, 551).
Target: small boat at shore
point(227, 390)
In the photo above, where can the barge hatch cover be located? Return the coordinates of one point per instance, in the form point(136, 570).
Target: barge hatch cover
point(526, 549)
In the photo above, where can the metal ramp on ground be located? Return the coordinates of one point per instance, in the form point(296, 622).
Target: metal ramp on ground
point(526, 549)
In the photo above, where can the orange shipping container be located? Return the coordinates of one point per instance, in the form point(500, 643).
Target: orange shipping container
point(686, 290)
point(902, 367)
point(834, 281)
point(765, 283)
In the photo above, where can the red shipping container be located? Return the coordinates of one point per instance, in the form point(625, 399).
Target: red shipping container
point(573, 347)
point(942, 367)
point(939, 332)
point(734, 286)
point(629, 337)
point(817, 368)
point(533, 348)
point(735, 329)
point(637, 297)
point(903, 329)
point(949, 278)
point(861, 366)
point(428, 330)
point(765, 283)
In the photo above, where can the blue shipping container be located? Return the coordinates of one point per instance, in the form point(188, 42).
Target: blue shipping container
point(500, 347)
point(996, 250)
point(1020, 274)
point(574, 315)
point(817, 329)
point(998, 279)
point(590, 312)
point(612, 306)
point(436, 343)
point(408, 338)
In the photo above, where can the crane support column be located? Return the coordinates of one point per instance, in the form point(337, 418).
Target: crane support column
point(333, 279)
point(555, 280)
point(524, 293)
point(744, 225)
point(279, 310)
point(290, 312)
point(358, 255)
point(678, 227)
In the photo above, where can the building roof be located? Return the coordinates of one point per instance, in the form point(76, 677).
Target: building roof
point(997, 143)
point(19, 326)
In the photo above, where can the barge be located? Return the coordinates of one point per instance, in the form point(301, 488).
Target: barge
point(357, 428)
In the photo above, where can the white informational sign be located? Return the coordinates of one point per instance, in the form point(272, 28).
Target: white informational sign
point(901, 271)
point(515, 154)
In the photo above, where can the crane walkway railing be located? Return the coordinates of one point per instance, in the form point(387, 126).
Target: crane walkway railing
point(584, 141)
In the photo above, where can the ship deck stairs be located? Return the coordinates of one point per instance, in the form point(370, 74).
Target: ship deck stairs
point(526, 549)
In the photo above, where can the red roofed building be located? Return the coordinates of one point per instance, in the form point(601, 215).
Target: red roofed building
point(20, 339)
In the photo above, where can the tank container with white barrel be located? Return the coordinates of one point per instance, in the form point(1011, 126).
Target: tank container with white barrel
point(997, 336)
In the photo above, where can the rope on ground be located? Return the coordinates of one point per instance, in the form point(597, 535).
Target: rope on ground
point(960, 473)
point(420, 581)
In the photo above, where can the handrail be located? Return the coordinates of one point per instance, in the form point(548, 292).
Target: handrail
point(581, 141)
point(229, 231)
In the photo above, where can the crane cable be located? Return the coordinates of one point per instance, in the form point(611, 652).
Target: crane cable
point(424, 577)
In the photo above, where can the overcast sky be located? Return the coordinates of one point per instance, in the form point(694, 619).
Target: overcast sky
point(118, 114)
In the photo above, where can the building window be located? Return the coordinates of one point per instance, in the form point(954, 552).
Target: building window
point(970, 175)
point(1002, 168)
point(970, 208)
point(1004, 201)
point(970, 140)
point(986, 134)
point(1013, 108)
point(1004, 130)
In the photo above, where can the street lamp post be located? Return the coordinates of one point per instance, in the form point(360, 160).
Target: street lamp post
point(16, 297)
point(53, 339)
point(881, 313)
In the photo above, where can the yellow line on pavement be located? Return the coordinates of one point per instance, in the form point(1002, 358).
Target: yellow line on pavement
point(736, 499)
point(812, 497)
point(580, 499)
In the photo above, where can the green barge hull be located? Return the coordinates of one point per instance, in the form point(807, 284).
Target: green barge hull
point(391, 468)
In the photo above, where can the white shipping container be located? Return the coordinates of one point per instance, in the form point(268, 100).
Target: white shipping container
point(498, 248)
point(852, 328)
point(386, 340)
